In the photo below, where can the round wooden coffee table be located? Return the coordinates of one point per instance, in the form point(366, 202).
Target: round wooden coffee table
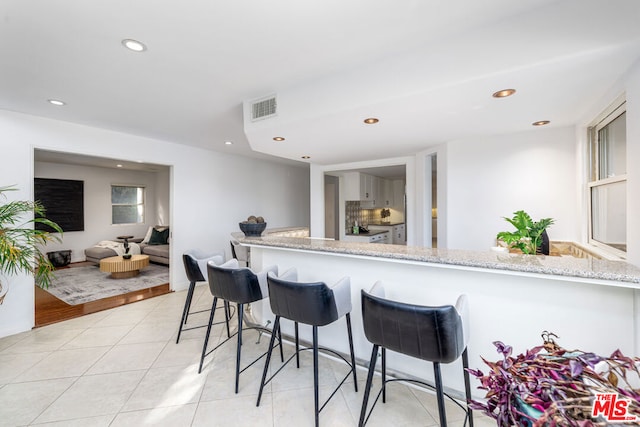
point(121, 268)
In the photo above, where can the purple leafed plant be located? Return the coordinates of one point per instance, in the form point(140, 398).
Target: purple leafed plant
point(550, 386)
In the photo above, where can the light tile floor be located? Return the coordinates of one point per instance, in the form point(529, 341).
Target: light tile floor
point(122, 367)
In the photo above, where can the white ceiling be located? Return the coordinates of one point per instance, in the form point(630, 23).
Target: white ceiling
point(426, 68)
point(100, 162)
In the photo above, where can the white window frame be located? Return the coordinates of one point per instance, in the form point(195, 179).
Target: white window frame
point(607, 116)
point(144, 198)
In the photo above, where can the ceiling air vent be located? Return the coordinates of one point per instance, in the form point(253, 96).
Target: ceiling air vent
point(263, 108)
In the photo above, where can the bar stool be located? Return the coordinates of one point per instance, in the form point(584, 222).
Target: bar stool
point(435, 334)
point(195, 262)
point(314, 304)
point(242, 286)
point(241, 253)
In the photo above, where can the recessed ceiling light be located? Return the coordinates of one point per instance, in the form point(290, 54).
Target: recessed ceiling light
point(118, 165)
point(56, 102)
point(504, 93)
point(306, 157)
point(278, 138)
point(541, 123)
point(134, 45)
point(228, 143)
point(371, 121)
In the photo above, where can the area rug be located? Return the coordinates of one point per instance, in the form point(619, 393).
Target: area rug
point(79, 285)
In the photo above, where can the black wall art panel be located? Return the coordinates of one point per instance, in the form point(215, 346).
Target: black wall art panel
point(63, 200)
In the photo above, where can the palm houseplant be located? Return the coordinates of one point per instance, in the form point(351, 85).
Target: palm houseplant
point(548, 386)
point(20, 242)
point(528, 236)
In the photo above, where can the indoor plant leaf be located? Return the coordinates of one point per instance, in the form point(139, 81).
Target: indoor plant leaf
point(528, 234)
point(20, 242)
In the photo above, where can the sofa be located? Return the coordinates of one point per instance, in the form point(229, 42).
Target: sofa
point(155, 244)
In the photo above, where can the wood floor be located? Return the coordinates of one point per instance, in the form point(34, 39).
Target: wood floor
point(50, 309)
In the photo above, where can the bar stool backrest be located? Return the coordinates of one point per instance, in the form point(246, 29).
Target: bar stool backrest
point(192, 269)
point(239, 252)
point(239, 284)
point(195, 263)
point(309, 303)
point(429, 333)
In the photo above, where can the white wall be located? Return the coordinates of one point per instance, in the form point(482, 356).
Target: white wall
point(210, 192)
point(542, 171)
point(162, 194)
point(633, 160)
point(97, 203)
point(483, 179)
point(17, 311)
point(627, 87)
point(491, 177)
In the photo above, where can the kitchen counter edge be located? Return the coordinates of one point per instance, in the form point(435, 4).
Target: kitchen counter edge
point(596, 269)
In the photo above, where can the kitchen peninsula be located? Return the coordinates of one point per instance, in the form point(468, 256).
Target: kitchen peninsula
point(590, 304)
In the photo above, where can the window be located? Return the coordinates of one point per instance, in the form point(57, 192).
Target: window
point(608, 181)
point(127, 204)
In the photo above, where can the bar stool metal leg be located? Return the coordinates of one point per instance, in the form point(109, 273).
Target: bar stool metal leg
point(206, 337)
point(367, 387)
point(353, 355)
point(276, 325)
point(467, 384)
point(187, 307)
point(384, 375)
point(239, 345)
point(227, 314)
point(316, 393)
point(440, 394)
point(295, 325)
point(280, 341)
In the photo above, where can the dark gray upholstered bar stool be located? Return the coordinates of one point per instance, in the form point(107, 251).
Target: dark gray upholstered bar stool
point(314, 304)
point(241, 253)
point(435, 334)
point(195, 265)
point(242, 286)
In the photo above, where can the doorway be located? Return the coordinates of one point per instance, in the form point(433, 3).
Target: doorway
point(98, 175)
point(331, 206)
point(434, 200)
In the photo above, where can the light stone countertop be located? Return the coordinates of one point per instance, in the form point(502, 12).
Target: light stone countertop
point(617, 271)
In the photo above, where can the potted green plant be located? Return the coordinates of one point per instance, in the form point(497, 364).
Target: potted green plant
point(528, 234)
point(20, 241)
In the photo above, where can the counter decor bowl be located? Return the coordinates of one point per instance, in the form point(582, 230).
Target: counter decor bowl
point(252, 229)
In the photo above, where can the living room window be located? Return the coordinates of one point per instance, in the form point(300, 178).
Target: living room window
point(608, 180)
point(127, 204)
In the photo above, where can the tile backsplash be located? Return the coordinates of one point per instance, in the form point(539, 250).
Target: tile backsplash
point(354, 212)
